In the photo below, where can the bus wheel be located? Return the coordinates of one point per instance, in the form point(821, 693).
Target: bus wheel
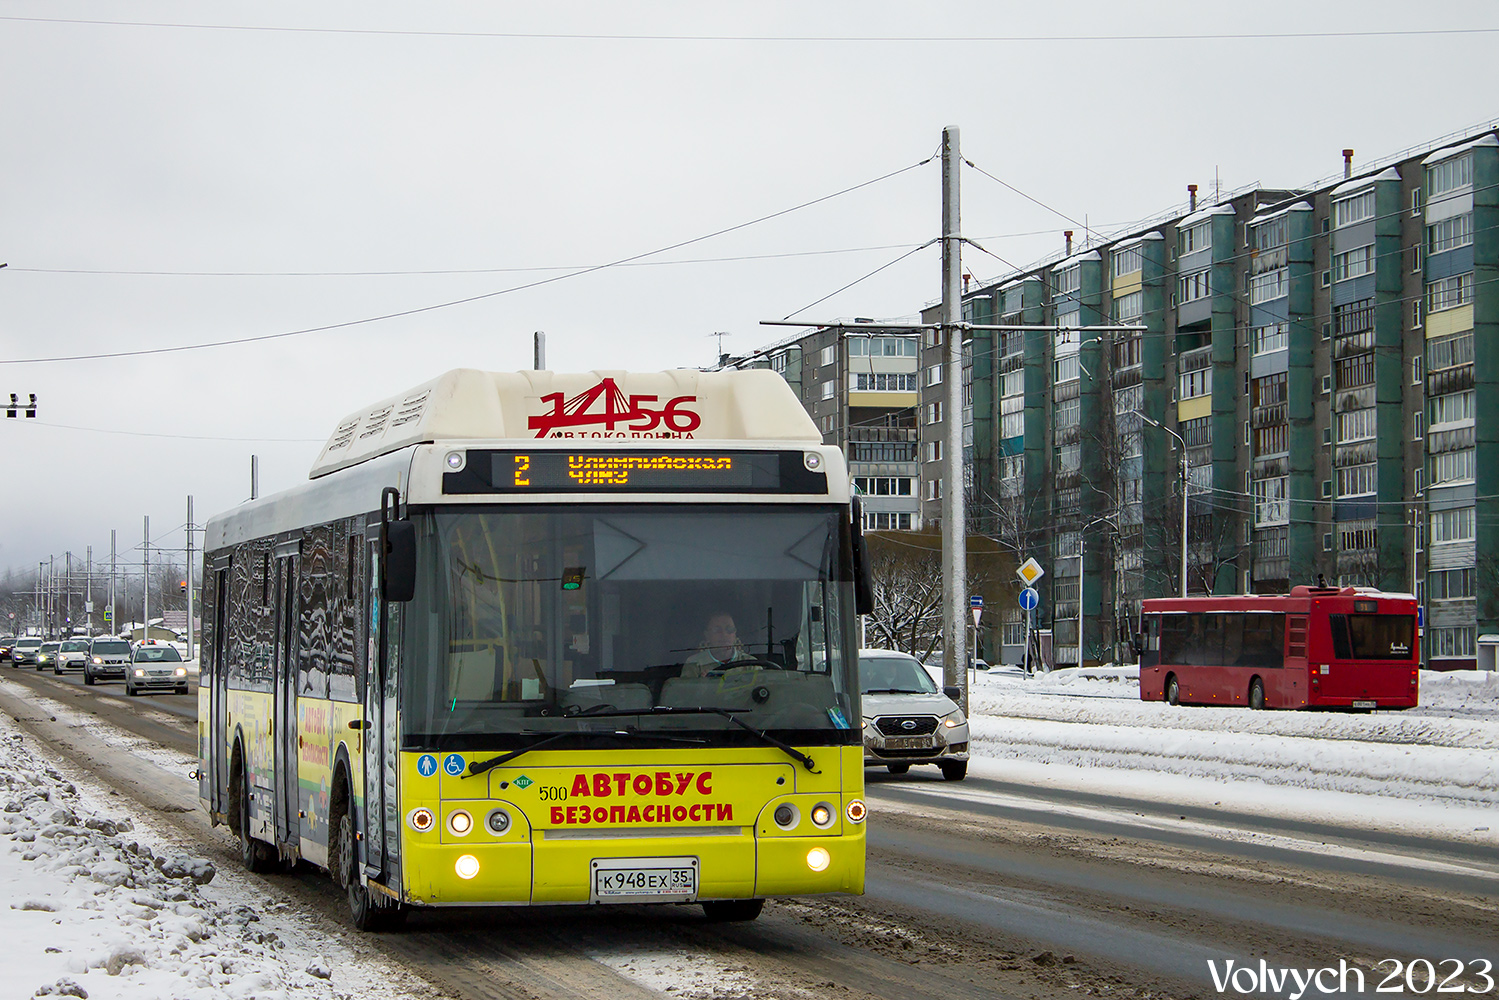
point(897, 768)
point(1173, 691)
point(254, 854)
point(1256, 694)
point(363, 912)
point(733, 910)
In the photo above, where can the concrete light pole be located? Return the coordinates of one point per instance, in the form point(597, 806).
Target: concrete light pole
point(1185, 490)
point(954, 513)
point(1082, 572)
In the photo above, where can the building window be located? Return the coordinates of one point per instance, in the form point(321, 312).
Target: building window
point(1450, 175)
point(883, 486)
point(1194, 384)
point(1267, 286)
point(1449, 352)
point(934, 451)
point(829, 388)
point(1129, 307)
point(1449, 293)
point(934, 375)
point(1451, 467)
point(1012, 425)
point(1441, 643)
point(1356, 425)
point(1416, 314)
point(1194, 286)
point(1067, 280)
point(1273, 234)
point(1353, 317)
point(1355, 371)
point(884, 381)
point(882, 347)
point(1268, 391)
point(1347, 211)
point(886, 521)
point(1451, 409)
point(934, 412)
point(1449, 234)
point(1450, 585)
point(1066, 369)
point(828, 354)
point(1417, 426)
point(1272, 440)
point(1197, 433)
point(1353, 263)
point(1274, 337)
point(934, 489)
point(1452, 525)
point(1271, 504)
point(1356, 481)
point(1126, 351)
point(1198, 236)
point(1128, 261)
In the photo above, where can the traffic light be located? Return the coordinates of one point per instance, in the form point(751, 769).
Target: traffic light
point(572, 578)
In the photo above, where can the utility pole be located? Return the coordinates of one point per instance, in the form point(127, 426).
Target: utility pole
point(88, 590)
point(114, 618)
point(51, 596)
point(954, 513)
point(188, 579)
point(539, 351)
point(254, 477)
point(67, 614)
point(146, 583)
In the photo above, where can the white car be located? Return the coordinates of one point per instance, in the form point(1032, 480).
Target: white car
point(906, 719)
point(155, 668)
point(72, 654)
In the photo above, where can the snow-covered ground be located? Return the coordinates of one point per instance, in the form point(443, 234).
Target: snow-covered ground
point(100, 905)
point(1432, 770)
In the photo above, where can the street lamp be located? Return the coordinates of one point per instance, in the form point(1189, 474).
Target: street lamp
point(1183, 445)
point(1081, 573)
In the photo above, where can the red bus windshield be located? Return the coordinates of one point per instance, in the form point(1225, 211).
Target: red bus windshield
point(1373, 637)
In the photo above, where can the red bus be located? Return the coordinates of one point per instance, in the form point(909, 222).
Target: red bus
point(1318, 647)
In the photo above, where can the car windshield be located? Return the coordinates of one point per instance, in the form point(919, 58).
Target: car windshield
point(115, 648)
point(28, 643)
point(75, 647)
point(157, 654)
point(526, 622)
point(50, 647)
point(894, 675)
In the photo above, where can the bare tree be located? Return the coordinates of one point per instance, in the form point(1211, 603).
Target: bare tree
point(906, 567)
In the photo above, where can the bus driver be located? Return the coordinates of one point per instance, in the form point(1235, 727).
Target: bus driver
point(720, 646)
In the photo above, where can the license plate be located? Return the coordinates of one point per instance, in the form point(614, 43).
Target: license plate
point(909, 743)
point(1366, 704)
point(631, 880)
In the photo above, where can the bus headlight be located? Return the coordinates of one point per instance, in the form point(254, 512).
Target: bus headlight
point(456, 460)
point(421, 820)
point(822, 815)
point(787, 816)
point(466, 866)
point(818, 859)
point(460, 823)
point(856, 811)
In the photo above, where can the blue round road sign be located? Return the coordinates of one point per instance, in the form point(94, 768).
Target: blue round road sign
point(1029, 599)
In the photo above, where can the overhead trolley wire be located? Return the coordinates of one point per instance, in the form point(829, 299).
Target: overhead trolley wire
point(471, 298)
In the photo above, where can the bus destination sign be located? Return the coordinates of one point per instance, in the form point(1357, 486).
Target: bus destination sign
point(635, 471)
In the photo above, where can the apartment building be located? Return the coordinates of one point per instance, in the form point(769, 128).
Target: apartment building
point(1321, 356)
point(862, 387)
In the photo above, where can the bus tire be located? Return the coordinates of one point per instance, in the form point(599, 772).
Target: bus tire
point(722, 911)
point(1173, 691)
point(1257, 694)
point(897, 768)
point(254, 854)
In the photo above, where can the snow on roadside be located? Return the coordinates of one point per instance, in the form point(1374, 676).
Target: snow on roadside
point(95, 910)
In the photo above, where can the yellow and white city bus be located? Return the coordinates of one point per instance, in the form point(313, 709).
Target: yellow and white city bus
point(532, 637)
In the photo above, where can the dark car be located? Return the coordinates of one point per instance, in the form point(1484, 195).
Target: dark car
point(106, 658)
point(6, 641)
point(46, 655)
point(156, 668)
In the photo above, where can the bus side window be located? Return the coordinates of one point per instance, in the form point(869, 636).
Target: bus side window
point(1173, 638)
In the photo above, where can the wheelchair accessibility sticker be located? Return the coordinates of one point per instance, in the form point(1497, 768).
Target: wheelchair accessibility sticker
point(453, 763)
point(426, 765)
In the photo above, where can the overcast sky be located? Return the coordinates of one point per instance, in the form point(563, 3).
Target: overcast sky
point(191, 181)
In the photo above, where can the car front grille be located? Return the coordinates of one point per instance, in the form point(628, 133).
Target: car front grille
point(906, 725)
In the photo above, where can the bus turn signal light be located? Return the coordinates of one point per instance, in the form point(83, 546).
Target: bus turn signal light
point(856, 811)
point(421, 820)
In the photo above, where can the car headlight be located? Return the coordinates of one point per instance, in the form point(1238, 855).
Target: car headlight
point(954, 720)
point(139, 672)
point(98, 659)
point(181, 671)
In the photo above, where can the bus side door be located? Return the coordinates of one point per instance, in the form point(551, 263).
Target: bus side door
point(284, 701)
point(380, 822)
point(214, 773)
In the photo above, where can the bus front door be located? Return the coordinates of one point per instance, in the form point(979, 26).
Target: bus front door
point(214, 781)
point(284, 702)
point(380, 822)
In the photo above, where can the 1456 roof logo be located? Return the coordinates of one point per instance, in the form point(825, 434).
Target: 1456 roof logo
point(606, 412)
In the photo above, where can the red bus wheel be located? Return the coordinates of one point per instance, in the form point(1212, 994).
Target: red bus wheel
point(1256, 694)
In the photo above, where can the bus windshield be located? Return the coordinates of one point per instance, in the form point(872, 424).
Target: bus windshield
point(534, 622)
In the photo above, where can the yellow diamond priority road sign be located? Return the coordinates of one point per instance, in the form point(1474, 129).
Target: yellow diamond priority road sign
point(1029, 572)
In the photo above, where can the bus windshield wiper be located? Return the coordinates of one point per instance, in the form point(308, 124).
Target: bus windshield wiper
point(807, 762)
point(479, 767)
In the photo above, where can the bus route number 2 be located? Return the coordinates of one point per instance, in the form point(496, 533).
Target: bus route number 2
point(522, 469)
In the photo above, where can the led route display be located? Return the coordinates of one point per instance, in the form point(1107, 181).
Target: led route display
point(618, 471)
